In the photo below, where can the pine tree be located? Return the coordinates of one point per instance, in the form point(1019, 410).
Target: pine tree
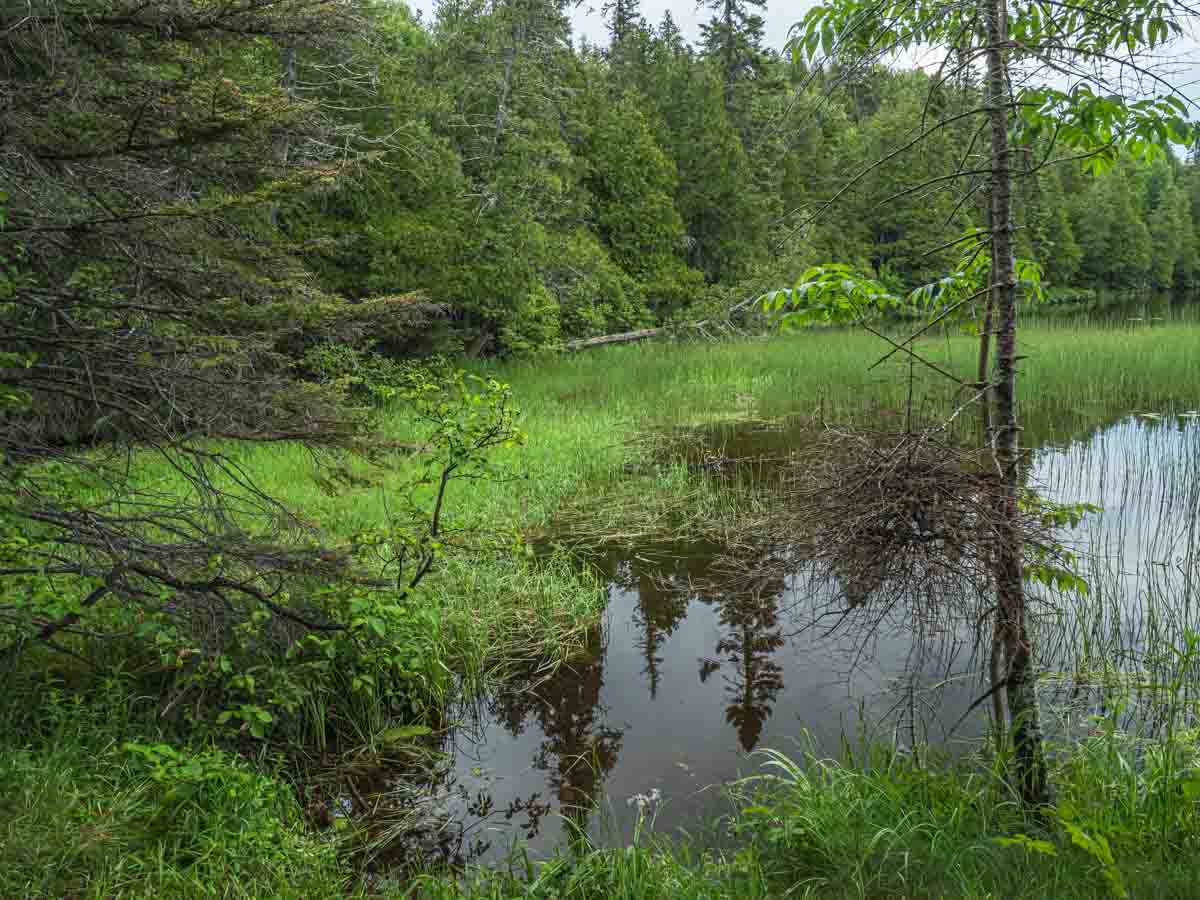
point(151, 304)
point(634, 184)
point(1168, 226)
point(725, 223)
point(669, 34)
point(1113, 238)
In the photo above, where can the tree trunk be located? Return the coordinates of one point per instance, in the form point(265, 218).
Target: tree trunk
point(624, 337)
point(996, 665)
point(1024, 719)
point(510, 58)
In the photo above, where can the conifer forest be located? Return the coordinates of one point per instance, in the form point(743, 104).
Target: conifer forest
point(449, 453)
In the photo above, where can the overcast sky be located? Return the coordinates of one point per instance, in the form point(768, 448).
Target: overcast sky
point(780, 17)
point(1182, 70)
point(587, 22)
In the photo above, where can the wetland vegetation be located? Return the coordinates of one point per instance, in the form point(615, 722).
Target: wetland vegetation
point(329, 568)
point(651, 667)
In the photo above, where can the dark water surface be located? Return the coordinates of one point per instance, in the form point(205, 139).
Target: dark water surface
point(692, 670)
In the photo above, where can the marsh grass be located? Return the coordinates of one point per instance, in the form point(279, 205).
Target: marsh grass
point(1125, 645)
point(84, 818)
point(596, 421)
point(1089, 372)
point(82, 815)
point(823, 828)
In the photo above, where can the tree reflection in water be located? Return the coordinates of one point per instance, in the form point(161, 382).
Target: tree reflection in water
point(667, 583)
point(853, 633)
point(753, 678)
point(662, 584)
point(579, 748)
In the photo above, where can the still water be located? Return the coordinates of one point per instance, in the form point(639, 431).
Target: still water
point(690, 671)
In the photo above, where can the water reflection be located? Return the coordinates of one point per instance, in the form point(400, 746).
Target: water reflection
point(695, 667)
point(698, 663)
point(666, 584)
point(662, 602)
point(576, 746)
point(1141, 556)
point(745, 655)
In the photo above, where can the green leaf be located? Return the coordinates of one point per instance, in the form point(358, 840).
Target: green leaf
point(1045, 848)
point(1191, 785)
point(402, 733)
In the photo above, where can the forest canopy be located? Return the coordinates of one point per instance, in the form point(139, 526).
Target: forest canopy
point(543, 189)
point(528, 188)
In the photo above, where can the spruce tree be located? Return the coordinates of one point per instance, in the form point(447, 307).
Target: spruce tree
point(733, 37)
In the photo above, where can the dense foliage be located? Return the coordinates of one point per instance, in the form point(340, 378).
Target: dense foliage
point(545, 190)
point(530, 188)
point(226, 232)
point(157, 321)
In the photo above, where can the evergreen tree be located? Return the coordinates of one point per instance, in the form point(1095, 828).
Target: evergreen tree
point(733, 37)
point(726, 226)
point(1187, 266)
point(1113, 239)
point(634, 184)
point(622, 18)
point(1169, 228)
point(1049, 236)
point(669, 35)
point(513, 172)
point(507, 72)
point(151, 304)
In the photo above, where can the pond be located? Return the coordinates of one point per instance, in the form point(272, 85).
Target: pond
point(691, 670)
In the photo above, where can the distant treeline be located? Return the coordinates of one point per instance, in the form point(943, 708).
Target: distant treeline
point(549, 191)
point(523, 187)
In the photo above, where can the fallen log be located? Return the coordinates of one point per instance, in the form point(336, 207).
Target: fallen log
point(628, 337)
point(624, 337)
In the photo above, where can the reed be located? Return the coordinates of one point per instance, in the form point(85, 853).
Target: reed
point(607, 460)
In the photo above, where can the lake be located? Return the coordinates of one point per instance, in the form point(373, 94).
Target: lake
point(694, 667)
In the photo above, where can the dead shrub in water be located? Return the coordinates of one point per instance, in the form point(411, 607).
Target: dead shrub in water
point(890, 517)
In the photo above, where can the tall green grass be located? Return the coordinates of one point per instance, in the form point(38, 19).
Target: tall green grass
point(822, 828)
point(83, 816)
point(1088, 373)
point(583, 413)
point(87, 809)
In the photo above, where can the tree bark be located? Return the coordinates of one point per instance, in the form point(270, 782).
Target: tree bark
point(1024, 718)
point(624, 337)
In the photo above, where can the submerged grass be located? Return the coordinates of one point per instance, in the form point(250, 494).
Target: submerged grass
point(96, 804)
point(85, 816)
point(823, 829)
